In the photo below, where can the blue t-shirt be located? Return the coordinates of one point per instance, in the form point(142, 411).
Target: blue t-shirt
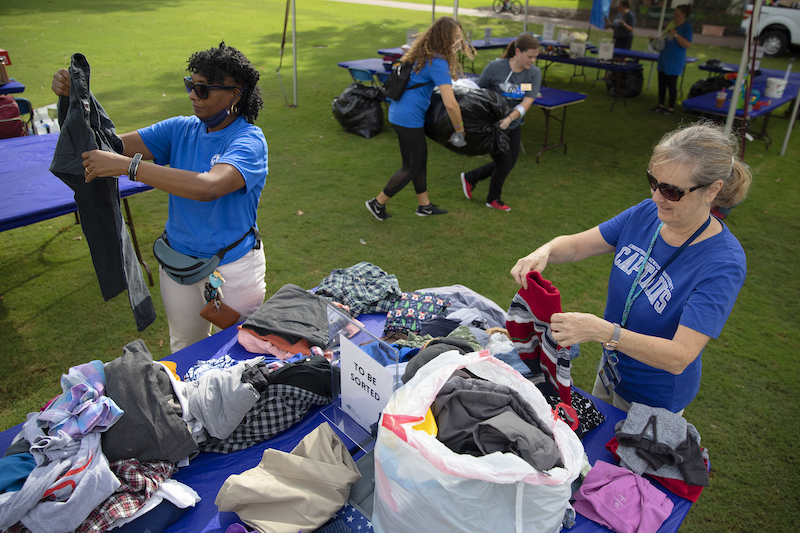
point(201, 229)
point(409, 111)
point(697, 291)
point(672, 59)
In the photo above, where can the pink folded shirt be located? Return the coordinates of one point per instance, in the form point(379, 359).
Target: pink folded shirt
point(621, 500)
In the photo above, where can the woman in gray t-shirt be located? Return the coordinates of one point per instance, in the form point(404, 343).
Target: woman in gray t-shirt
point(515, 77)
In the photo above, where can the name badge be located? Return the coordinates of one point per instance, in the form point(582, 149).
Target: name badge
point(527, 87)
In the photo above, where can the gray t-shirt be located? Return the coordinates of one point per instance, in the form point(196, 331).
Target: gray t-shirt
point(499, 77)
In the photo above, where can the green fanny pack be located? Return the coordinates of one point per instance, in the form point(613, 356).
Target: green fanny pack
point(186, 269)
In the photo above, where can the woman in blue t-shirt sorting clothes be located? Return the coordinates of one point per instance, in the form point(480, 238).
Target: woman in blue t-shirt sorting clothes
point(676, 274)
point(435, 58)
point(217, 168)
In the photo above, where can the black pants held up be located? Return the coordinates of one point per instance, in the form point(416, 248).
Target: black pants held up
point(499, 168)
point(86, 126)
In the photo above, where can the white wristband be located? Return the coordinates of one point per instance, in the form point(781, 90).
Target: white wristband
point(521, 110)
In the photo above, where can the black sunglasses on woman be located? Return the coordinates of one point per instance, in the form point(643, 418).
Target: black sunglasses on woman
point(669, 192)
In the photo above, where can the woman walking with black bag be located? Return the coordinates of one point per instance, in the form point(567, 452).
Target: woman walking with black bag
point(515, 77)
point(435, 58)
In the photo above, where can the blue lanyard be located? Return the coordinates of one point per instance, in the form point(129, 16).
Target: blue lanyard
point(636, 288)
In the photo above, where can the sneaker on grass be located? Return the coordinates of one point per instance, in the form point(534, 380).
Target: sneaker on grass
point(377, 210)
point(466, 186)
point(430, 209)
point(498, 204)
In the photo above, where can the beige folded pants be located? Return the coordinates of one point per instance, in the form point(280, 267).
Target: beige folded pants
point(296, 491)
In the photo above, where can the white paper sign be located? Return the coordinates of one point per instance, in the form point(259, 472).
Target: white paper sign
point(577, 49)
point(548, 32)
point(411, 36)
point(366, 385)
point(605, 52)
point(487, 35)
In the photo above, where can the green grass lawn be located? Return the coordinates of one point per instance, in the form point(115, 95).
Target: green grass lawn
point(312, 214)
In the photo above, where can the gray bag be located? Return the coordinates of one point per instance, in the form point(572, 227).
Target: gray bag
point(186, 269)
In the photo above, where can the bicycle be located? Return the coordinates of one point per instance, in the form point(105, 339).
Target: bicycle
point(513, 6)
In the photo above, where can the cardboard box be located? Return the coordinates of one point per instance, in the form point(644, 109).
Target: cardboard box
point(712, 30)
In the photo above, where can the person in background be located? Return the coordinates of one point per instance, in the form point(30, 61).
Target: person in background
point(672, 60)
point(623, 25)
point(435, 58)
point(676, 273)
point(217, 168)
point(515, 77)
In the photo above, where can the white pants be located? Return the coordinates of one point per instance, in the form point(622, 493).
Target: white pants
point(243, 290)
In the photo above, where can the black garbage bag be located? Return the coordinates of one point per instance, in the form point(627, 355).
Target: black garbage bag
point(709, 85)
point(629, 83)
point(358, 110)
point(481, 110)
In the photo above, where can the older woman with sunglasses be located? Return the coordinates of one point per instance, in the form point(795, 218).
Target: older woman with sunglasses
point(676, 273)
point(217, 168)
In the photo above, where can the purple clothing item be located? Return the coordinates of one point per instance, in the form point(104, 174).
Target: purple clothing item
point(83, 406)
point(621, 500)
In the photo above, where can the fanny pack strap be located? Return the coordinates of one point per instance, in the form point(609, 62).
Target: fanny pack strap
point(227, 249)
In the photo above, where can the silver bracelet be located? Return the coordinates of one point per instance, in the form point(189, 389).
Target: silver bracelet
point(134, 166)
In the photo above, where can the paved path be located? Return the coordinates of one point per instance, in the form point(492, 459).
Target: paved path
point(574, 18)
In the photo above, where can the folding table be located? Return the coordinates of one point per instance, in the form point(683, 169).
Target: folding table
point(707, 103)
point(638, 55)
point(591, 62)
point(13, 86)
point(550, 100)
point(31, 193)
point(208, 471)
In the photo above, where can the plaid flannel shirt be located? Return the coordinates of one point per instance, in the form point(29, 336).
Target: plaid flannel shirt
point(280, 407)
point(363, 287)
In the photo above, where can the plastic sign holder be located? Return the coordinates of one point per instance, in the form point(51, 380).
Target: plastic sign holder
point(369, 374)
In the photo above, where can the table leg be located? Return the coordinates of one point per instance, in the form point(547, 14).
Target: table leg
point(129, 219)
point(575, 73)
point(563, 120)
point(618, 91)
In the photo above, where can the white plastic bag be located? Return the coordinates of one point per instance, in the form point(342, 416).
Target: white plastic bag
point(421, 485)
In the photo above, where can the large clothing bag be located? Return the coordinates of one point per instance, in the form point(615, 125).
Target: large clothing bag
point(421, 485)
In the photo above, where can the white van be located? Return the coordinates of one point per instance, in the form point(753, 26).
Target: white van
point(778, 26)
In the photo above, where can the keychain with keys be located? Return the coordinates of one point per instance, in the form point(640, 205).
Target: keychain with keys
point(213, 288)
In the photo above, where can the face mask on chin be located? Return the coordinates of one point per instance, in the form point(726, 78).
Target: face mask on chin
point(216, 120)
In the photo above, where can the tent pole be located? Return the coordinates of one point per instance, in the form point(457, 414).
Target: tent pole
point(791, 123)
point(737, 88)
point(455, 9)
point(525, 22)
point(660, 27)
point(433, 11)
point(294, 50)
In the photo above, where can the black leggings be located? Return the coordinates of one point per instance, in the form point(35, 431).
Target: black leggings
point(414, 151)
point(667, 84)
point(499, 168)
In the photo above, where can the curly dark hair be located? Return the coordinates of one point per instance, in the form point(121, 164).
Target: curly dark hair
point(218, 63)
